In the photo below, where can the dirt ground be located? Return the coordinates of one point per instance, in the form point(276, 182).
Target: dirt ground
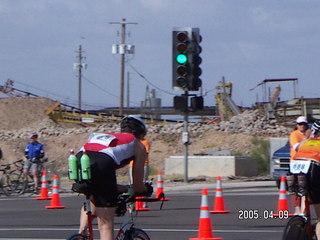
point(28, 114)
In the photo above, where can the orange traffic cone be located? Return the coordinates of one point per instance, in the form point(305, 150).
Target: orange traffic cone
point(205, 229)
point(219, 201)
point(159, 191)
point(55, 201)
point(282, 202)
point(139, 205)
point(44, 188)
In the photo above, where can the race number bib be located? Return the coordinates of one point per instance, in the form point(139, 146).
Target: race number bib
point(299, 166)
point(101, 138)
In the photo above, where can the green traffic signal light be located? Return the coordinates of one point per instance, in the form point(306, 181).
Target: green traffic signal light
point(181, 59)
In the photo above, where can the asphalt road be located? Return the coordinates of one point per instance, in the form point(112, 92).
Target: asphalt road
point(27, 218)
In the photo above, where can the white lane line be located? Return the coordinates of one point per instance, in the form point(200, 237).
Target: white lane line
point(148, 230)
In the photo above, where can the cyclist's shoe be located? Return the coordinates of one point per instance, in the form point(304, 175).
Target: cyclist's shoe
point(304, 217)
point(301, 191)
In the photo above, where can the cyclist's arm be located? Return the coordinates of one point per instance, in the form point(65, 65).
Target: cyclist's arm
point(138, 167)
point(26, 152)
point(41, 154)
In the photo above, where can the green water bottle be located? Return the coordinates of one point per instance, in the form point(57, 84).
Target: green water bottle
point(73, 166)
point(85, 166)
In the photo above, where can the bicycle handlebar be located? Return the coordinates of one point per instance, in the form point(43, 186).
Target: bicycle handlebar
point(125, 198)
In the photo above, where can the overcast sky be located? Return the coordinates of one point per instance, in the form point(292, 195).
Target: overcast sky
point(246, 41)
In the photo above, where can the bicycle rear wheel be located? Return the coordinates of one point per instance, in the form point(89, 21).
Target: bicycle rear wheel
point(136, 234)
point(78, 236)
point(296, 229)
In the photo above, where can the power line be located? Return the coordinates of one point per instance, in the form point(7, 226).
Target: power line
point(143, 77)
point(103, 90)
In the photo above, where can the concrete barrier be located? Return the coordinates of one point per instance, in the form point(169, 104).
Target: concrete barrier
point(212, 166)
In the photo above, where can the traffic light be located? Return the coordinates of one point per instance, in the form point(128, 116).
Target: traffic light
point(180, 103)
point(186, 59)
point(181, 42)
point(195, 61)
point(196, 103)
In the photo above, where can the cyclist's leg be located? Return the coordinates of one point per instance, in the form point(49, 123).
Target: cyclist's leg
point(84, 218)
point(105, 217)
point(34, 171)
point(104, 191)
point(25, 173)
point(83, 221)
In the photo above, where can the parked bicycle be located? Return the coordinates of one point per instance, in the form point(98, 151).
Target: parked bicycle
point(11, 180)
point(14, 180)
point(125, 208)
point(5, 179)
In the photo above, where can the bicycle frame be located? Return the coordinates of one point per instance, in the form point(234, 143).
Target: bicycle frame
point(126, 228)
point(87, 208)
point(305, 207)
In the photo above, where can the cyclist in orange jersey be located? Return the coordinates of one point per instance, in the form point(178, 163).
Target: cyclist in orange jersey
point(309, 153)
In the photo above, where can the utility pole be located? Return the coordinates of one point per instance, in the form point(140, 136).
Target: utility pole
point(79, 65)
point(128, 89)
point(122, 51)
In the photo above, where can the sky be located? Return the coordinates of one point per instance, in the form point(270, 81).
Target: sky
point(244, 41)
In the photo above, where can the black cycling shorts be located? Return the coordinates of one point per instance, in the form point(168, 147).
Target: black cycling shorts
point(313, 181)
point(103, 179)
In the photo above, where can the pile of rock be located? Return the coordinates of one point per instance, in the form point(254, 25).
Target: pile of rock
point(249, 122)
point(254, 123)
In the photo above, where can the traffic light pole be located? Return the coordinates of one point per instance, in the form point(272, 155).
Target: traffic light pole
point(186, 144)
point(185, 140)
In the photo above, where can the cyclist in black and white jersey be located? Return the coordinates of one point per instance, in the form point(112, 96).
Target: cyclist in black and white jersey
point(107, 152)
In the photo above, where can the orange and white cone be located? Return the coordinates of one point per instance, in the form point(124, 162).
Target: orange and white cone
point(219, 200)
point(160, 191)
point(205, 228)
point(139, 205)
point(282, 202)
point(55, 201)
point(44, 188)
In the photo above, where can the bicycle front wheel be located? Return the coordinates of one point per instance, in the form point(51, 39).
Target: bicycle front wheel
point(296, 229)
point(137, 234)
point(78, 236)
point(4, 185)
point(16, 182)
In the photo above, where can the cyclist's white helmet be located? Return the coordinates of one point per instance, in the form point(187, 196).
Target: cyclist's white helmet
point(136, 125)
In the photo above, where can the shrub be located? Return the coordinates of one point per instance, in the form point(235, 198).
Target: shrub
point(261, 153)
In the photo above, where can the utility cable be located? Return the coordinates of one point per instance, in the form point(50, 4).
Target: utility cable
point(143, 77)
